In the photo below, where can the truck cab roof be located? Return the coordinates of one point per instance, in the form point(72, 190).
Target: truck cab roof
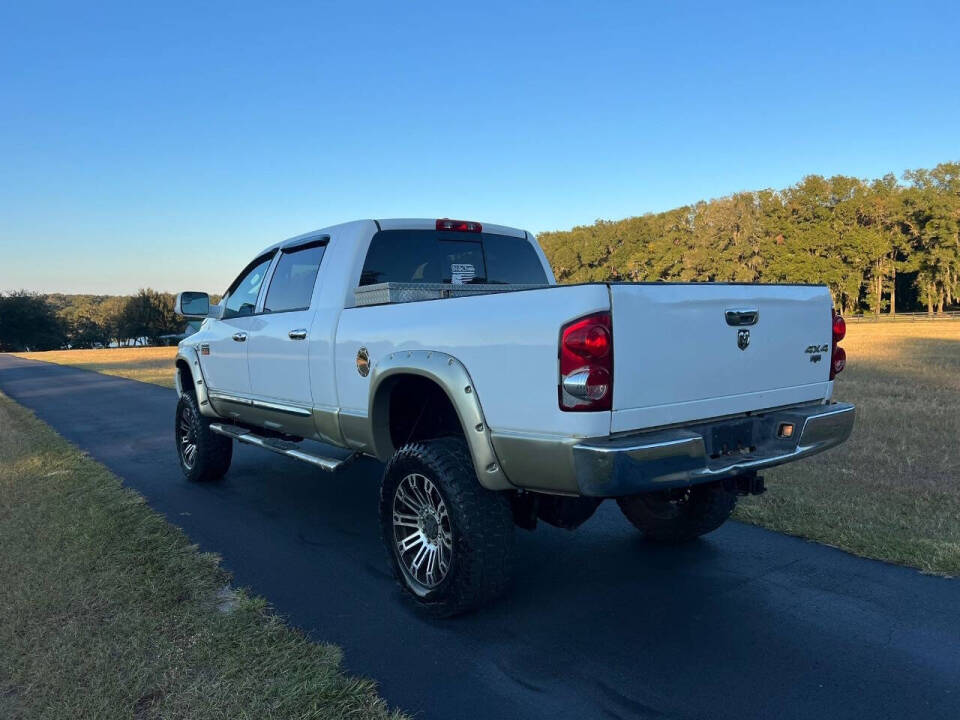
point(389, 224)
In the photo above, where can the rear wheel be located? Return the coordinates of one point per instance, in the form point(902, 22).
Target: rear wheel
point(676, 516)
point(204, 455)
point(449, 540)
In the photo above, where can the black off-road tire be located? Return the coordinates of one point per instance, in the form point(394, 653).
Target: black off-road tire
point(678, 516)
point(213, 453)
point(479, 525)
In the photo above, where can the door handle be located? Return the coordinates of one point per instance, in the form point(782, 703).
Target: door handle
point(299, 334)
point(746, 316)
point(240, 336)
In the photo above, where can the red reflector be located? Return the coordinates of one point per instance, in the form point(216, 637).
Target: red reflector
point(590, 341)
point(839, 328)
point(459, 225)
point(838, 362)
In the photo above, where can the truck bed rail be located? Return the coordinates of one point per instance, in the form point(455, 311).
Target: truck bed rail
point(396, 292)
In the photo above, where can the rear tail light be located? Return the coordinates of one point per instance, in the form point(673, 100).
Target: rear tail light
point(590, 383)
point(588, 340)
point(459, 225)
point(586, 364)
point(839, 327)
point(838, 356)
point(839, 361)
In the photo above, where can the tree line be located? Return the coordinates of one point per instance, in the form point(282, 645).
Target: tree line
point(880, 245)
point(31, 321)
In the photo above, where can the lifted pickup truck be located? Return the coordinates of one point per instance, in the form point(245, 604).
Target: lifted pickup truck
point(495, 397)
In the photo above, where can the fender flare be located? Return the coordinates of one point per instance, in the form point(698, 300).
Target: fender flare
point(188, 356)
point(452, 377)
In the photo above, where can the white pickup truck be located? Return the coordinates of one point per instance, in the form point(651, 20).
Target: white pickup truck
point(495, 397)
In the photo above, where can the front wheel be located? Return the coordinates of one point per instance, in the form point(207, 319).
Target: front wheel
point(204, 455)
point(676, 516)
point(449, 540)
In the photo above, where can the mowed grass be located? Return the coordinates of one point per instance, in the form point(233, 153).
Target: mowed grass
point(892, 492)
point(107, 611)
point(147, 364)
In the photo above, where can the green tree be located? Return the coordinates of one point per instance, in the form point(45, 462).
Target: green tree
point(855, 236)
point(148, 315)
point(29, 322)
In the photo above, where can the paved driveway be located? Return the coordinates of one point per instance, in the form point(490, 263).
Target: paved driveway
point(744, 623)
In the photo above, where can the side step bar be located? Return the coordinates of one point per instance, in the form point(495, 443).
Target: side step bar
point(283, 447)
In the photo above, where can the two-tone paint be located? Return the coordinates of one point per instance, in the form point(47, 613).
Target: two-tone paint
point(323, 373)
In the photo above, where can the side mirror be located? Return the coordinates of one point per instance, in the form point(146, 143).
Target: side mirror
point(192, 305)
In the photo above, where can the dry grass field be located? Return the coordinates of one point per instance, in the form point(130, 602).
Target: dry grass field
point(108, 611)
point(147, 364)
point(892, 492)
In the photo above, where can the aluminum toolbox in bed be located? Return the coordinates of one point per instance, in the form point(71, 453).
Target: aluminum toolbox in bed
point(396, 292)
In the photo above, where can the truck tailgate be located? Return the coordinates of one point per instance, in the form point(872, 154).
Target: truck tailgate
point(679, 356)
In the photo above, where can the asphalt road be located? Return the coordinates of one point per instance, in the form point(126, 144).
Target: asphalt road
point(744, 623)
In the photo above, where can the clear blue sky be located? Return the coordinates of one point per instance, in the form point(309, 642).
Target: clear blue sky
point(165, 146)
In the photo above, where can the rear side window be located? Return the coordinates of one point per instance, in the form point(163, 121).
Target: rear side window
point(242, 294)
point(512, 260)
point(430, 256)
point(292, 284)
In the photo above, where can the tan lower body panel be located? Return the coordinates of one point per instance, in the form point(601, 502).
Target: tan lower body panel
point(535, 462)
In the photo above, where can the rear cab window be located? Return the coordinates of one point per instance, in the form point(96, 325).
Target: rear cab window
point(432, 256)
point(291, 287)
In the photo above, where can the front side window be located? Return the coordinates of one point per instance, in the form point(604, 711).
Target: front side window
point(433, 256)
point(242, 294)
point(292, 284)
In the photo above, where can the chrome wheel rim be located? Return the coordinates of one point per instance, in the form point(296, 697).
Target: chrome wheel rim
point(422, 535)
point(187, 441)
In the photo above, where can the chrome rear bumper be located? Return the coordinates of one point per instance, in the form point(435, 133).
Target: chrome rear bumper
point(697, 454)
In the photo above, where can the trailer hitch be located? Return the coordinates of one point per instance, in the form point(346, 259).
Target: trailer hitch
point(750, 484)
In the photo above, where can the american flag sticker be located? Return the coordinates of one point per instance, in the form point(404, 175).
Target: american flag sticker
point(462, 273)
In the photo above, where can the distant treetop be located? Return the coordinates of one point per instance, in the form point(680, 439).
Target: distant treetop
point(879, 245)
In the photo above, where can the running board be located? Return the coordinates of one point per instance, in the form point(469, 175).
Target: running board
point(283, 447)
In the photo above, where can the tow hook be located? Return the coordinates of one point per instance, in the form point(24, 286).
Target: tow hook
point(745, 485)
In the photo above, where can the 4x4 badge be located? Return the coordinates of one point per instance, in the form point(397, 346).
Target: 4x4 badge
point(814, 352)
point(743, 339)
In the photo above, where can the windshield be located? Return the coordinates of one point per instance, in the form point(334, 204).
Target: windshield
point(431, 256)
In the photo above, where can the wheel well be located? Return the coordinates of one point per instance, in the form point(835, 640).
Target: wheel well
point(403, 384)
point(418, 409)
point(185, 377)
